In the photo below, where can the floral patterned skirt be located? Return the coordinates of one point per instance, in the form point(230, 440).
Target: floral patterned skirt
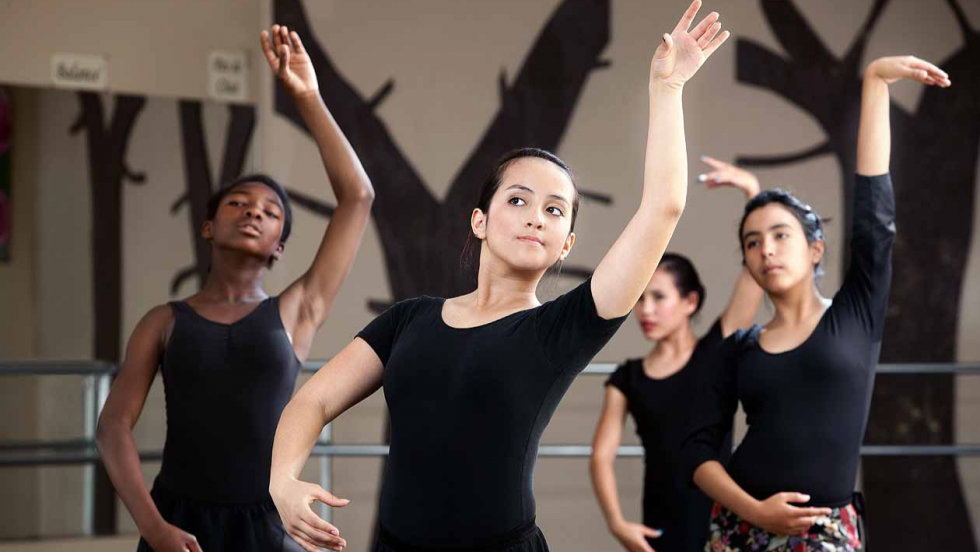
point(834, 533)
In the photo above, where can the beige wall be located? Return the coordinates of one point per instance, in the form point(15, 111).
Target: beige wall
point(158, 48)
point(444, 97)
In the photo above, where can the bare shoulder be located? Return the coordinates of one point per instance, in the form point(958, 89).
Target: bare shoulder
point(156, 325)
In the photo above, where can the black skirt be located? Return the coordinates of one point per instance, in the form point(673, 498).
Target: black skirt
point(527, 538)
point(253, 527)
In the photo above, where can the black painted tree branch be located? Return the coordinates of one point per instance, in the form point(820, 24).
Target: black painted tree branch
point(197, 168)
point(107, 171)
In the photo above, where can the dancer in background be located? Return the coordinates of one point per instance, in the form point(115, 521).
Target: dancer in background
point(658, 390)
point(230, 354)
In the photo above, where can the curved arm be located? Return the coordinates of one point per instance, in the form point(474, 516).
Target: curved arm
point(122, 409)
point(605, 445)
point(742, 305)
point(307, 301)
point(624, 272)
point(350, 377)
point(874, 135)
point(712, 478)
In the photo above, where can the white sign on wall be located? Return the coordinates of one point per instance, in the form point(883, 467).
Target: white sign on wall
point(228, 76)
point(80, 71)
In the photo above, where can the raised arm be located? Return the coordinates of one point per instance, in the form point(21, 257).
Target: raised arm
point(624, 272)
point(874, 136)
point(347, 379)
point(747, 295)
point(115, 434)
point(307, 301)
point(605, 445)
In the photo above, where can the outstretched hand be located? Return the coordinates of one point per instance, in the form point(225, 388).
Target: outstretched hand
point(891, 69)
point(726, 174)
point(683, 52)
point(287, 57)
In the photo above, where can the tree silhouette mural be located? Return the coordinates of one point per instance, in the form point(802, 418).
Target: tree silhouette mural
point(108, 171)
point(422, 238)
point(914, 502)
point(197, 168)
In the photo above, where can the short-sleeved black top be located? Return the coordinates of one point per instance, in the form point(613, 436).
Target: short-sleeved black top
point(468, 407)
point(661, 409)
point(807, 408)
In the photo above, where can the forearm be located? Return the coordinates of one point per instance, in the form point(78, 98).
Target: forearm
point(874, 135)
point(299, 426)
point(714, 480)
point(742, 305)
point(665, 164)
point(348, 179)
point(604, 483)
point(121, 459)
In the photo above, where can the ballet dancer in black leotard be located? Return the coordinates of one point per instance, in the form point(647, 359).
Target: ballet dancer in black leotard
point(472, 381)
point(805, 378)
point(230, 354)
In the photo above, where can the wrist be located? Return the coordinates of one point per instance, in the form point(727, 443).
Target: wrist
point(312, 95)
point(659, 87)
point(152, 527)
point(750, 512)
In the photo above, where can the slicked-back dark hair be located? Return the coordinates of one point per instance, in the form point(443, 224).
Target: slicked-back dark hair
point(810, 221)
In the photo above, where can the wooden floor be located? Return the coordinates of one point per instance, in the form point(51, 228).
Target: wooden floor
point(113, 544)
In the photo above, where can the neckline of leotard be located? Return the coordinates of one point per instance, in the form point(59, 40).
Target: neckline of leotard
point(756, 335)
point(224, 324)
point(442, 304)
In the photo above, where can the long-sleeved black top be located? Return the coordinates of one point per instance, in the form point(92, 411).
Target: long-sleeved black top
point(807, 408)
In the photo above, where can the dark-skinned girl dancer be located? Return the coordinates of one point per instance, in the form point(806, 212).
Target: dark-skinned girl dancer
point(230, 354)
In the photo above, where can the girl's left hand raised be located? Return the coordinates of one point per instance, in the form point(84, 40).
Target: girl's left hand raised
point(288, 59)
point(683, 52)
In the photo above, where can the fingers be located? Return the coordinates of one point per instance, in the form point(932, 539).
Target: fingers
point(651, 532)
point(285, 37)
point(798, 498)
point(301, 540)
point(320, 524)
point(714, 163)
point(329, 499)
point(692, 11)
point(270, 54)
point(716, 43)
point(665, 47)
point(803, 523)
point(708, 35)
point(813, 512)
point(297, 43)
point(704, 25)
point(926, 72)
point(319, 538)
point(276, 37)
point(192, 545)
point(283, 51)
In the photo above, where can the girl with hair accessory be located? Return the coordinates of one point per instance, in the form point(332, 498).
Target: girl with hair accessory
point(805, 378)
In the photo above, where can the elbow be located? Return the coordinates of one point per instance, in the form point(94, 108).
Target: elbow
point(360, 194)
point(601, 457)
point(365, 192)
point(107, 428)
point(674, 208)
